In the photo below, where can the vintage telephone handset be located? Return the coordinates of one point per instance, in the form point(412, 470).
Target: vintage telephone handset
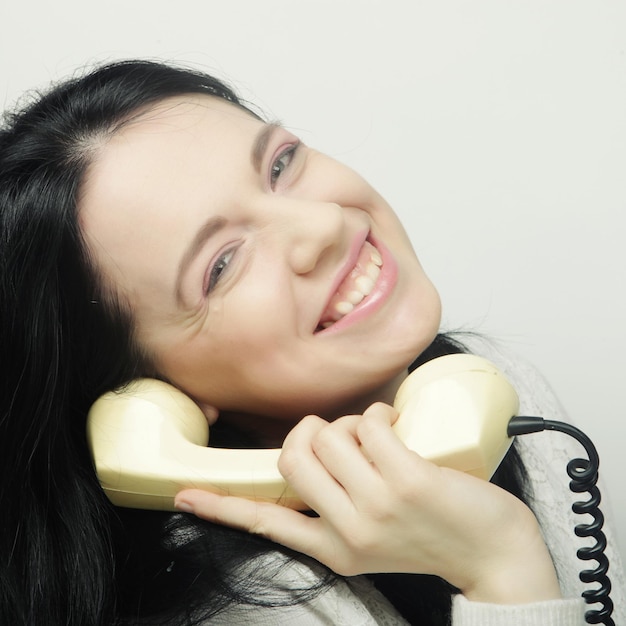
point(149, 441)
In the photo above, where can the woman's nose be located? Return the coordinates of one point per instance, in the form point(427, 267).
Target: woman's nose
point(316, 233)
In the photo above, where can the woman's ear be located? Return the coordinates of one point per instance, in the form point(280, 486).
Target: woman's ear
point(210, 412)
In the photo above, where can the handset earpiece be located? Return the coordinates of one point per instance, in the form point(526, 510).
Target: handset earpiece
point(149, 440)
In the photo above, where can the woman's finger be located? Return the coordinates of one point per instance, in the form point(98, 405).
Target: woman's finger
point(338, 448)
point(381, 444)
point(307, 475)
point(275, 522)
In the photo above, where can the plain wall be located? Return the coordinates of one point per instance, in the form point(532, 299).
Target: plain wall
point(496, 129)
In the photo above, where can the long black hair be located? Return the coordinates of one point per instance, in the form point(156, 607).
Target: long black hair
point(67, 556)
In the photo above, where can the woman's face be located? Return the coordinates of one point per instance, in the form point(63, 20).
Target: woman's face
point(265, 278)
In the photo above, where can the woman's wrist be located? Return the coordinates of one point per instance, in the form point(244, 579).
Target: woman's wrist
point(520, 571)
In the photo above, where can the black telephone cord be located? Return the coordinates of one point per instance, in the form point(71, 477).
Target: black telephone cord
point(584, 476)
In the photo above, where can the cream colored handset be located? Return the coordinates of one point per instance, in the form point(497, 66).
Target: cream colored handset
point(149, 441)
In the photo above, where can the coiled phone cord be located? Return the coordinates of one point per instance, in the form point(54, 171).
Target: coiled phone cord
point(584, 476)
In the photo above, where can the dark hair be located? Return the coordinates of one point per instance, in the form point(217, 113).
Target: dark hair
point(67, 555)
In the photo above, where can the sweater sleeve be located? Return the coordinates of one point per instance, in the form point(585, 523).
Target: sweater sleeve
point(569, 612)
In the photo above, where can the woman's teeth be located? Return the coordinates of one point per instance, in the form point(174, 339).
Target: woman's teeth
point(363, 287)
point(355, 288)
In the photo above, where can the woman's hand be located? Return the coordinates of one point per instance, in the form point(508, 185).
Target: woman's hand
point(382, 508)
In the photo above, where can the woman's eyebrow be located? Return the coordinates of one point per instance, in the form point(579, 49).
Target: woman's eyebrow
point(260, 144)
point(206, 231)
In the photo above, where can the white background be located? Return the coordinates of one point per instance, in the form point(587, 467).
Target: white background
point(496, 128)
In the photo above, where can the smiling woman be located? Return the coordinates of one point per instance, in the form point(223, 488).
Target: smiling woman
point(153, 225)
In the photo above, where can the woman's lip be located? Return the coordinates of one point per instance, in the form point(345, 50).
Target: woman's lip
point(384, 285)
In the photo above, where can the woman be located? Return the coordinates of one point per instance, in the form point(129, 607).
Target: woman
point(154, 225)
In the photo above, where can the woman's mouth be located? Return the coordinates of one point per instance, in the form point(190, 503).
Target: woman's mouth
point(355, 288)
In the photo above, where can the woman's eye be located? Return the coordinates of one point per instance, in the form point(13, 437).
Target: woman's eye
point(220, 266)
point(281, 164)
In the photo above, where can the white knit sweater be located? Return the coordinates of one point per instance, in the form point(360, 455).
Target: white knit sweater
point(355, 601)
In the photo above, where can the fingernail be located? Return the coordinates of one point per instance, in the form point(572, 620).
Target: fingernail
point(183, 506)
